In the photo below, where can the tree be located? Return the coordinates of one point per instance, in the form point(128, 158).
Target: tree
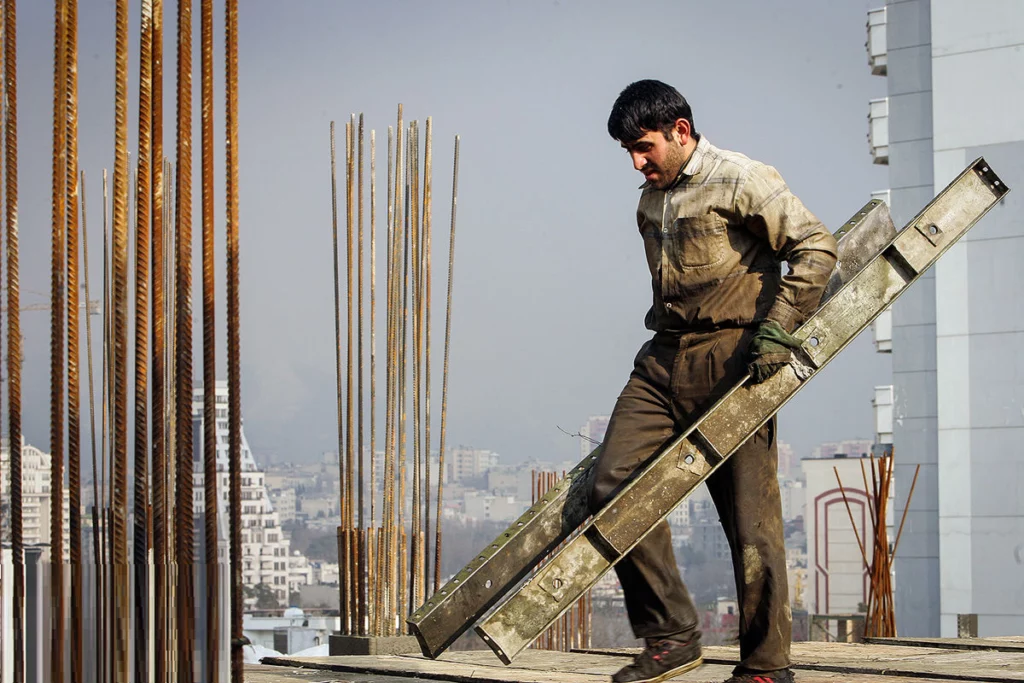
point(264, 595)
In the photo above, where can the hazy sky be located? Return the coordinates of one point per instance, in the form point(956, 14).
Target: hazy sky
point(551, 285)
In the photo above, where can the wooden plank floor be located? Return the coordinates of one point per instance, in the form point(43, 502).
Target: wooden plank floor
point(814, 663)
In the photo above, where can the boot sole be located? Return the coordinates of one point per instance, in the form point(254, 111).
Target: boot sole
point(689, 666)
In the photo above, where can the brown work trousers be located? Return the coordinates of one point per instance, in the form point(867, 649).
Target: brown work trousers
point(674, 379)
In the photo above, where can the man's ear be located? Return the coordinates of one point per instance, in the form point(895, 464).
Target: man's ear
point(682, 129)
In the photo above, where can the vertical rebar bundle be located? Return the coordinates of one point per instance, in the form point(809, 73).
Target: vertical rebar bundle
point(385, 570)
point(881, 608)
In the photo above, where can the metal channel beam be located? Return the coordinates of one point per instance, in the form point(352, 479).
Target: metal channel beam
point(678, 470)
point(523, 545)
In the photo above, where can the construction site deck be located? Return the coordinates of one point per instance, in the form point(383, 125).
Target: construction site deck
point(989, 660)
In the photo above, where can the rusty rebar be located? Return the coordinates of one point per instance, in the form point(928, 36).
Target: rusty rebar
point(96, 540)
point(58, 286)
point(14, 330)
point(359, 330)
point(444, 372)
point(360, 573)
point(427, 217)
point(158, 351)
point(74, 395)
point(387, 484)
point(342, 502)
point(118, 390)
point(184, 531)
point(210, 498)
point(375, 574)
point(233, 335)
point(373, 328)
point(403, 354)
point(349, 518)
point(417, 443)
point(141, 445)
point(106, 448)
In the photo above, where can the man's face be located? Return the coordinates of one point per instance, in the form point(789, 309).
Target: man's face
point(657, 157)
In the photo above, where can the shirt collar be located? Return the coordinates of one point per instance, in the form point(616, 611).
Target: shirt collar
point(692, 166)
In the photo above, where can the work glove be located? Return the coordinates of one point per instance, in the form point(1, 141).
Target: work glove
point(769, 351)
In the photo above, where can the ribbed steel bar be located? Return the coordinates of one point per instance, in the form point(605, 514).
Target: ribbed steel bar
point(96, 497)
point(119, 388)
point(373, 328)
point(373, 570)
point(395, 549)
point(343, 597)
point(106, 448)
point(359, 334)
point(417, 444)
point(14, 330)
point(427, 211)
point(58, 284)
point(349, 383)
point(387, 485)
point(141, 443)
point(444, 371)
point(184, 531)
point(158, 350)
point(74, 394)
point(233, 335)
point(360, 573)
point(210, 498)
point(403, 355)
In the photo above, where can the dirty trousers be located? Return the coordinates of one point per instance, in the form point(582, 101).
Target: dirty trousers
point(674, 379)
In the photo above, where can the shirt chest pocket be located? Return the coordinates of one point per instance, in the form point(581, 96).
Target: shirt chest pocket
point(698, 241)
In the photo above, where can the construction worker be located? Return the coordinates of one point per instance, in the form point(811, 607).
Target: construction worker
point(716, 227)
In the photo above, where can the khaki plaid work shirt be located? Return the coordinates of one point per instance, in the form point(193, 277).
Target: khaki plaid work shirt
point(715, 240)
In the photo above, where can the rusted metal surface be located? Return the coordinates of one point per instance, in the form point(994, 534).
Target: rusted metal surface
point(234, 337)
point(427, 211)
point(184, 530)
point(674, 474)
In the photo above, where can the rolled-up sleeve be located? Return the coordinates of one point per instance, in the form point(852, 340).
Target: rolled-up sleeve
point(796, 236)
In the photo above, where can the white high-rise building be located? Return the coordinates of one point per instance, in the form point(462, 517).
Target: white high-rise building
point(265, 547)
point(35, 496)
point(958, 375)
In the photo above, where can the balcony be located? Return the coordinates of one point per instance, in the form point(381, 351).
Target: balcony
point(876, 43)
point(878, 130)
point(882, 330)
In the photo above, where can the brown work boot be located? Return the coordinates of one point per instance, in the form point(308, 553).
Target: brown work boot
point(660, 661)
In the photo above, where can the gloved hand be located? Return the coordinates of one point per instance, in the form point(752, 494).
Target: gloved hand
point(769, 351)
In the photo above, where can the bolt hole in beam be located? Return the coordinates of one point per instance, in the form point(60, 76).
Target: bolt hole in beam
point(813, 341)
point(933, 229)
point(688, 459)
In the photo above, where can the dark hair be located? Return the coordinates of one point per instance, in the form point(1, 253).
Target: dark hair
point(645, 106)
